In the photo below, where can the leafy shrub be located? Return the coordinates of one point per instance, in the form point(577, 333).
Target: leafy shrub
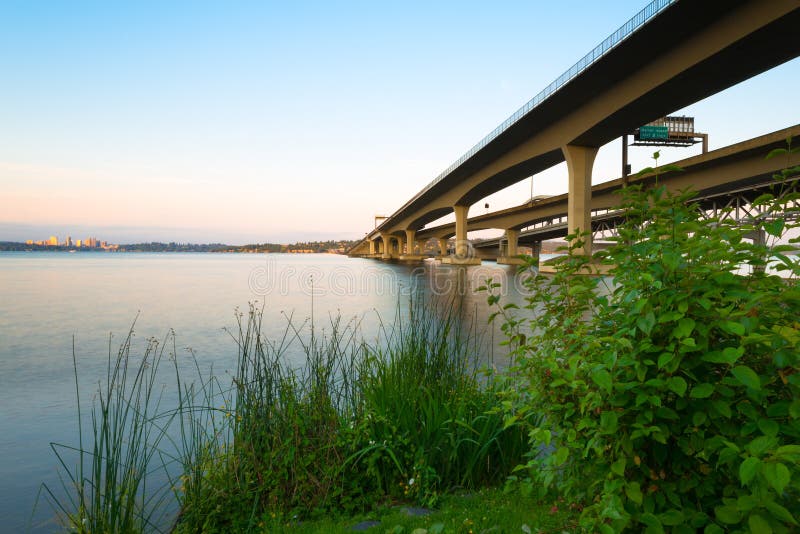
point(669, 392)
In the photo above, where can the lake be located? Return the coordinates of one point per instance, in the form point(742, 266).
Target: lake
point(52, 300)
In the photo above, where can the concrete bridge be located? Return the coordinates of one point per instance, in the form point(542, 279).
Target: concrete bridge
point(736, 171)
point(671, 54)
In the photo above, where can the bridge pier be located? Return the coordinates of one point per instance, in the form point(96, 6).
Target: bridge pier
point(510, 257)
point(411, 253)
point(463, 254)
point(442, 247)
point(387, 246)
point(580, 160)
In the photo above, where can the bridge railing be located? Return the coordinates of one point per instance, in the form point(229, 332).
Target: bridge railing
point(648, 12)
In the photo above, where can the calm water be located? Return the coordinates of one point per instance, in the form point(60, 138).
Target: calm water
point(47, 300)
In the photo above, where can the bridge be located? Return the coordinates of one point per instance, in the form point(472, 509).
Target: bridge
point(669, 55)
point(736, 173)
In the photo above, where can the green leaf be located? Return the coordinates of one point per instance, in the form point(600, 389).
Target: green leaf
point(794, 409)
point(665, 358)
point(608, 422)
point(618, 467)
point(722, 407)
point(646, 322)
point(746, 376)
point(684, 328)
point(768, 427)
point(775, 228)
point(713, 528)
point(776, 152)
point(728, 355)
point(761, 445)
point(759, 525)
point(728, 514)
point(653, 524)
point(732, 327)
point(780, 512)
point(671, 518)
point(702, 391)
point(561, 455)
point(699, 418)
point(748, 469)
point(509, 421)
point(603, 379)
point(788, 451)
point(745, 503)
point(677, 385)
point(634, 492)
point(436, 528)
point(778, 476)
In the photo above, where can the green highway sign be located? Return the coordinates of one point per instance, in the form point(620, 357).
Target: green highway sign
point(653, 132)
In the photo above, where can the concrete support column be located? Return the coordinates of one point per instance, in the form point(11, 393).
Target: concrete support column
point(442, 247)
point(462, 245)
point(411, 241)
point(372, 246)
point(580, 160)
point(509, 256)
point(400, 245)
point(536, 249)
point(512, 236)
point(759, 238)
point(387, 246)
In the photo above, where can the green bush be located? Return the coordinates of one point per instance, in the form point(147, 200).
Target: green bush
point(354, 428)
point(669, 391)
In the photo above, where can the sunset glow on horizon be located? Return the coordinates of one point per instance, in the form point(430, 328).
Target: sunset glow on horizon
point(272, 122)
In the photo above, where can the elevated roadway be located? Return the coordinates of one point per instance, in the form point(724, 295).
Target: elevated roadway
point(734, 168)
point(670, 55)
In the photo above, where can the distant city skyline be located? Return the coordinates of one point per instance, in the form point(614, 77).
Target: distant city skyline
point(54, 241)
point(254, 122)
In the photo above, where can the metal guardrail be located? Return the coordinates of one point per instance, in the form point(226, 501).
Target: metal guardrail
point(623, 32)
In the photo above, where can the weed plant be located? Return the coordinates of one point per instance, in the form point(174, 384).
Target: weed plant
point(357, 426)
point(107, 483)
point(354, 427)
point(671, 399)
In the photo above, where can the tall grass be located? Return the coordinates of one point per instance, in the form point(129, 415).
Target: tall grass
point(356, 425)
point(106, 485)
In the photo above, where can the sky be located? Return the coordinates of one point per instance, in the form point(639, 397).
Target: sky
point(260, 121)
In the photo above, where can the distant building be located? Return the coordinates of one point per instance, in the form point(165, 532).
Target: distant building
point(68, 242)
point(78, 243)
point(53, 241)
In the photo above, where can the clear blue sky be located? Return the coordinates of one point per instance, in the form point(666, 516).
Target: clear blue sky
point(279, 121)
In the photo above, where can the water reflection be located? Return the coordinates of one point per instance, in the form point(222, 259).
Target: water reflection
point(52, 300)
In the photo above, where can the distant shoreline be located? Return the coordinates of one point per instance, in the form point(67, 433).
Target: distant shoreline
point(314, 247)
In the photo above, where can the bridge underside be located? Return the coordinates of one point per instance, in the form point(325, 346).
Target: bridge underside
point(688, 52)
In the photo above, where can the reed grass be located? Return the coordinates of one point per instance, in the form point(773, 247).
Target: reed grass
point(106, 480)
point(356, 425)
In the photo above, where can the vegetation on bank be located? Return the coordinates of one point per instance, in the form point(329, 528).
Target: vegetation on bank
point(490, 510)
point(662, 398)
point(303, 247)
point(667, 396)
point(354, 428)
point(156, 246)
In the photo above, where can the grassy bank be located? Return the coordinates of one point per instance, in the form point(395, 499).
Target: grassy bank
point(355, 428)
